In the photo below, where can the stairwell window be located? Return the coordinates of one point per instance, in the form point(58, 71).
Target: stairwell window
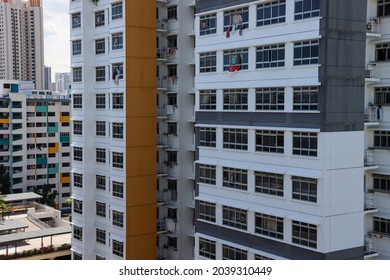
point(207, 248)
point(305, 144)
point(232, 253)
point(116, 10)
point(304, 189)
point(271, 13)
point(383, 8)
point(306, 9)
point(207, 211)
point(304, 234)
point(208, 24)
point(270, 99)
point(306, 52)
point(305, 99)
point(208, 62)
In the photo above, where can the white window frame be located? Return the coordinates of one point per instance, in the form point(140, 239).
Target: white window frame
point(235, 217)
point(235, 178)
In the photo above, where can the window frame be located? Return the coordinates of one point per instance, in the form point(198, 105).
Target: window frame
point(271, 13)
point(100, 179)
point(117, 218)
point(235, 178)
point(235, 139)
point(233, 253)
point(117, 41)
point(207, 211)
point(100, 73)
point(78, 180)
point(270, 56)
point(100, 101)
point(208, 62)
point(306, 98)
point(299, 9)
point(208, 24)
point(306, 52)
point(305, 144)
point(234, 217)
point(77, 233)
point(207, 100)
point(207, 174)
point(78, 153)
point(235, 57)
point(270, 99)
point(101, 209)
point(269, 141)
point(77, 127)
point(303, 233)
point(101, 154)
point(268, 225)
point(235, 99)
point(76, 20)
point(76, 47)
point(269, 183)
point(101, 236)
point(207, 137)
point(99, 19)
point(207, 248)
point(304, 189)
point(100, 46)
point(117, 96)
point(117, 130)
point(116, 10)
point(117, 160)
point(117, 248)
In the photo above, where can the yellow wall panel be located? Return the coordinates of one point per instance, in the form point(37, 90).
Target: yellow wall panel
point(149, 128)
point(141, 161)
point(138, 219)
point(5, 121)
point(142, 190)
point(143, 46)
point(64, 118)
point(141, 13)
point(54, 149)
point(142, 102)
point(141, 72)
point(141, 247)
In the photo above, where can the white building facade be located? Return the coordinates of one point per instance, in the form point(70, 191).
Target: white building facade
point(21, 41)
point(279, 118)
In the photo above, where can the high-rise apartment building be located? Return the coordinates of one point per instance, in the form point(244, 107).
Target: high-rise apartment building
point(280, 103)
point(34, 139)
point(21, 41)
point(62, 82)
point(47, 78)
point(133, 99)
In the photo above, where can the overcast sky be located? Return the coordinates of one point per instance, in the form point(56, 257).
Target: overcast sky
point(56, 31)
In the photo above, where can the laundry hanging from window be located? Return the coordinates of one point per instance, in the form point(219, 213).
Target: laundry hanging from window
point(236, 62)
point(115, 75)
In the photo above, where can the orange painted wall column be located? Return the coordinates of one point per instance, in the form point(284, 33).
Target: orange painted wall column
point(141, 129)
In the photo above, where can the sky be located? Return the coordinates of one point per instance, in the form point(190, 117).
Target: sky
point(56, 33)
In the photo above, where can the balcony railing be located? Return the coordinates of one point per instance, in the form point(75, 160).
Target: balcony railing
point(373, 26)
point(372, 71)
point(369, 201)
point(369, 158)
point(373, 114)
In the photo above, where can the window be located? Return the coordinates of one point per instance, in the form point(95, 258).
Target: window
point(117, 41)
point(305, 144)
point(117, 101)
point(382, 95)
point(236, 139)
point(116, 10)
point(172, 157)
point(270, 99)
point(99, 18)
point(235, 178)
point(100, 73)
point(77, 206)
point(117, 189)
point(100, 209)
point(117, 130)
point(383, 51)
point(236, 19)
point(262, 258)
point(234, 217)
point(304, 189)
point(235, 99)
point(76, 47)
point(77, 256)
point(207, 137)
point(117, 160)
point(306, 52)
point(76, 20)
point(269, 225)
point(117, 71)
point(304, 234)
point(207, 248)
point(271, 13)
point(100, 46)
point(78, 180)
point(100, 128)
point(77, 75)
point(77, 154)
point(172, 213)
point(381, 182)
point(207, 211)
point(100, 236)
point(117, 248)
point(100, 155)
point(382, 225)
point(100, 101)
point(208, 24)
point(101, 182)
point(232, 253)
point(270, 56)
point(172, 12)
point(78, 233)
point(269, 183)
point(78, 127)
point(381, 139)
point(117, 218)
point(172, 99)
point(236, 59)
point(306, 9)
point(207, 100)
point(383, 8)
point(172, 242)
point(208, 62)
point(207, 174)
point(305, 98)
point(270, 141)
point(172, 128)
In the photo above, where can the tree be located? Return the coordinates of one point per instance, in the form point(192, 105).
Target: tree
point(48, 197)
point(5, 184)
point(3, 207)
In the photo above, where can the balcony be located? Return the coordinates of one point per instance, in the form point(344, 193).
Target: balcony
point(373, 28)
point(164, 111)
point(369, 159)
point(161, 54)
point(161, 226)
point(162, 141)
point(370, 246)
point(162, 84)
point(162, 197)
point(161, 25)
point(369, 203)
point(373, 115)
point(372, 73)
point(161, 170)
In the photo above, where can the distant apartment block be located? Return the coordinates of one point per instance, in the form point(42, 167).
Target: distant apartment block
point(62, 82)
point(21, 41)
point(34, 139)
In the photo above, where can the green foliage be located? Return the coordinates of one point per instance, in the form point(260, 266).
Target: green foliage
point(48, 196)
point(5, 184)
point(4, 208)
